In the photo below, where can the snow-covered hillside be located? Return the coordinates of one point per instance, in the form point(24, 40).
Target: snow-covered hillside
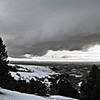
point(27, 72)
point(12, 95)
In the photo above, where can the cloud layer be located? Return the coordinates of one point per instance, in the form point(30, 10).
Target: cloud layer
point(24, 23)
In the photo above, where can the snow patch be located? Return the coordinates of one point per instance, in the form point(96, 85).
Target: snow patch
point(75, 75)
point(61, 98)
point(79, 84)
point(27, 72)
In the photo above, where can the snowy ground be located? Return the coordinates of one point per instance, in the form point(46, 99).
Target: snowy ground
point(12, 95)
point(27, 72)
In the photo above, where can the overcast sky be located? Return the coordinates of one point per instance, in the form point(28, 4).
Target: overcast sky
point(29, 22)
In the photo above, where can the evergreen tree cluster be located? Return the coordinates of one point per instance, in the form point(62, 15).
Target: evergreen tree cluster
point(4, 69)
point(90, 89)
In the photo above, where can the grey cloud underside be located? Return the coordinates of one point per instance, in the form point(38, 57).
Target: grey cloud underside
point(76, 42)
point(37, 25)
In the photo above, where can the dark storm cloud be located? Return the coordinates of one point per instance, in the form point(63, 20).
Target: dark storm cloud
point(27, 22)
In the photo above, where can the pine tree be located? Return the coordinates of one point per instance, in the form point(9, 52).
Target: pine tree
point(3, 53)
point(3, 63)
point(90, 89)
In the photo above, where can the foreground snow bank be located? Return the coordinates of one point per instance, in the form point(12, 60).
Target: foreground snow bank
point(61, 98)
point(12, 95)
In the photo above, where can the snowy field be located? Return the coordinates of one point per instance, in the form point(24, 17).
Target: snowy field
point(27, 72)
point(12, 95)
